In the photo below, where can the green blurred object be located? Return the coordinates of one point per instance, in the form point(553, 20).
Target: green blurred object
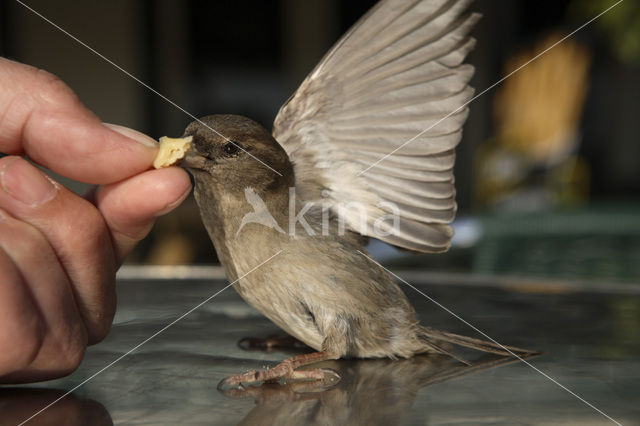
point(621, 25)
point(596, 243)
point(593, 245)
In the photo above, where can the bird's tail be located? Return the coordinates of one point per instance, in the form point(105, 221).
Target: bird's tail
point(434, 339)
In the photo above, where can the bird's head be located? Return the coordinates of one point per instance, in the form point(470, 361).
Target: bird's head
point(232, 153)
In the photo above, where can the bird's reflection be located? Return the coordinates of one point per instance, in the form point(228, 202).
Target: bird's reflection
point(371, 392)
point(19, 404)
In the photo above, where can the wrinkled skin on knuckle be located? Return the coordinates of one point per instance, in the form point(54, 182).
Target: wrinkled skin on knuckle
point(52, 90)
point(28, 93)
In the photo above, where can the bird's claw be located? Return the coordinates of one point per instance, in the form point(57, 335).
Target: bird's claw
point(235, 381)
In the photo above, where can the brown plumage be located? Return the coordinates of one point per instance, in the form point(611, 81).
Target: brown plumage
point(393, 75)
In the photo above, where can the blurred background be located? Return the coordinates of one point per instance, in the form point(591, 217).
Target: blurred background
point(548, 171)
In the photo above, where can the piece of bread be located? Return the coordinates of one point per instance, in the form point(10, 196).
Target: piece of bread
point(171, 151)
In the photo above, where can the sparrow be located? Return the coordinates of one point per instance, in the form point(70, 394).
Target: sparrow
point(363, 149)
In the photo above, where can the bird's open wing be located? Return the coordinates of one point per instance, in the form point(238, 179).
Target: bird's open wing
point(396, 76)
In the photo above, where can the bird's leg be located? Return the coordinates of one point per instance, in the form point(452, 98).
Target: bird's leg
point(286, 369)
point(271, 342)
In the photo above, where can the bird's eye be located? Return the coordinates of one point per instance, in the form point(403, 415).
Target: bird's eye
point(231, 148)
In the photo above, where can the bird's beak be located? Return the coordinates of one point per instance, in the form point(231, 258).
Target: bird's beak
point(193, 159)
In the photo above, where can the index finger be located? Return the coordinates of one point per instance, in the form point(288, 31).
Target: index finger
point(42, 118)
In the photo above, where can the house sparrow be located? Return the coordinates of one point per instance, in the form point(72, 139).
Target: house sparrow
point(397, 72)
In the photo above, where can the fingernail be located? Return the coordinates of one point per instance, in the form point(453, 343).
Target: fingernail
point(26, 183)
point(175, 204)
point(133, 134)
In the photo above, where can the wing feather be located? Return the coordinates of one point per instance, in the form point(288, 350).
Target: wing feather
point(397, 75)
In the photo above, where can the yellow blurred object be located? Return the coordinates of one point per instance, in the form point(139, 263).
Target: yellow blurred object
point(531, 162)
point(178, 237)
point(538, 109)
point(172, 249)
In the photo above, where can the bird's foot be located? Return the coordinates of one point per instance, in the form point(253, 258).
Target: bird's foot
point(287, 369)
point(270, 342)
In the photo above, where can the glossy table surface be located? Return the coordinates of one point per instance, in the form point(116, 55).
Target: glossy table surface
point(589, 370)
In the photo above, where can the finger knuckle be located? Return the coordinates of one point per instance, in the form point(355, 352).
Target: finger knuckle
point(53, 89)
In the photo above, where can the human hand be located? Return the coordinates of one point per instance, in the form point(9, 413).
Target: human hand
point(58, 251)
